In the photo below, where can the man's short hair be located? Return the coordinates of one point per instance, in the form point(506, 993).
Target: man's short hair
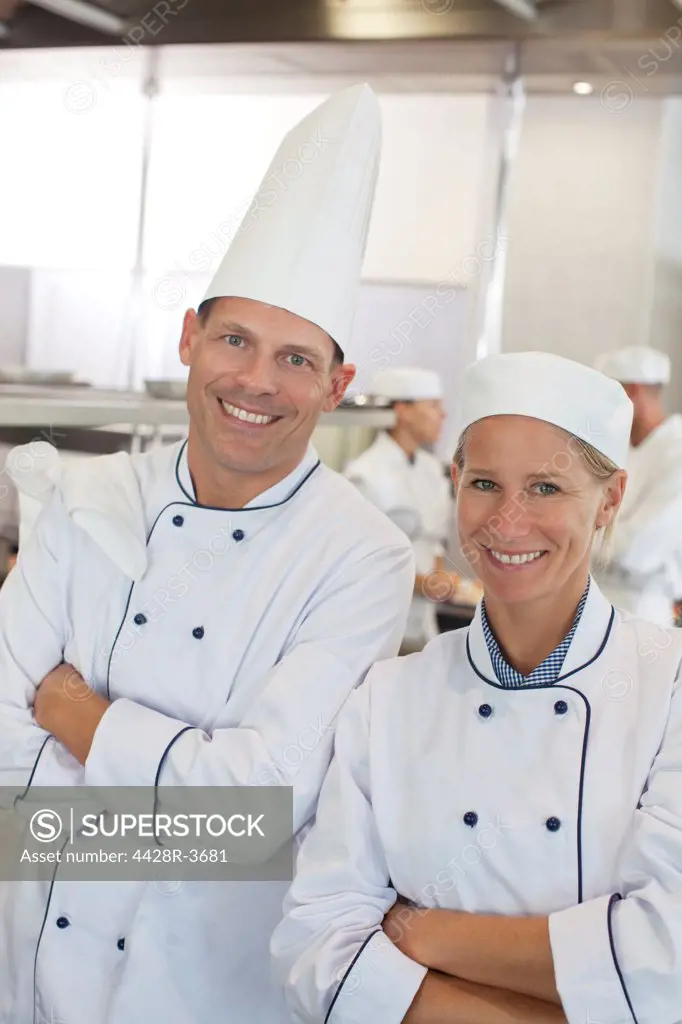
point(204, 311)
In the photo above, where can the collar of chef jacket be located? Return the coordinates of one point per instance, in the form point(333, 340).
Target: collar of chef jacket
point(588, 641)
point(657, 453)
point(548, 671)
point(667, 432)
point(275, 495)
point(389, 448)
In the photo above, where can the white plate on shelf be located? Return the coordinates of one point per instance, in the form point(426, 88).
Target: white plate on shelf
point(26, 375)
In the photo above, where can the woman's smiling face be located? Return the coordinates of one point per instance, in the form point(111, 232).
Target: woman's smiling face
point(528, 507)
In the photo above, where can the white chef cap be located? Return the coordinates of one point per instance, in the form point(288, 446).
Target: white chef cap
point(301, 244)
point(546, 387)
point(407, 384)
point(637, 364)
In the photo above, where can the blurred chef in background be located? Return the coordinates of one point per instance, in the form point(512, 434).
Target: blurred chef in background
point(641, 571)
point(9, 517)
point(408, 483)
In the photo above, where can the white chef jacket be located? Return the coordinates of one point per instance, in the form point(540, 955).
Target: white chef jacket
point(562, 800)
point(297, 593)
point(415, 495)
point(644, 570)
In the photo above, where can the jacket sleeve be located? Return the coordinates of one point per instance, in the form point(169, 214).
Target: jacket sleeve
point(286, 737)
point(367, 489)
point(645, 540)
point(33, 634)
point(335, 962)
point(618, 959)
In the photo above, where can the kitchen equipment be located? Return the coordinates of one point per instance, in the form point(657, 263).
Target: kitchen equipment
point(173, 390)
point(27, 375)
point(364, 402)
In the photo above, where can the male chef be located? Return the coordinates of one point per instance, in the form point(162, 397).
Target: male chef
point(399, 475)
point(643, 570)
point(267, 588)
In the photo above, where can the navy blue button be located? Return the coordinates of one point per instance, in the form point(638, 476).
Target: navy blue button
point(121, 944)
point(198, 632)
point(471, 818)
point(553, 824)
point(561, 707)
point(485, 711)
point(178, 520)
point(140, 619)
point(63, 922)
point(238, 535)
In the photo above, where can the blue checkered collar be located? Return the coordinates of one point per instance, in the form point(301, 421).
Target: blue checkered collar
point(591, 630)
point(543, 675)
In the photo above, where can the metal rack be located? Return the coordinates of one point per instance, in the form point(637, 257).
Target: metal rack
point(98, 420)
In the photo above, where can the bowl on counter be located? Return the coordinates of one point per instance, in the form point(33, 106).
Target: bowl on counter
point(169, 390)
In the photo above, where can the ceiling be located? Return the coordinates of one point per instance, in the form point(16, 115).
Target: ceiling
point(452, 44)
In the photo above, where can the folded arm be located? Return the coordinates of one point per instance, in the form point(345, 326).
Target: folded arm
point(512, 953)
point(34, 629)
point(445, 1000)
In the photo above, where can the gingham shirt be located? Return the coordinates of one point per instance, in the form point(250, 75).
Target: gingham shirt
point(546, 673)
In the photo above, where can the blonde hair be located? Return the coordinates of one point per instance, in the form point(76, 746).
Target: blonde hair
point(599, 465)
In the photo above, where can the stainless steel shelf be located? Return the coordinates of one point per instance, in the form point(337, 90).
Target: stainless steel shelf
point(91, 407)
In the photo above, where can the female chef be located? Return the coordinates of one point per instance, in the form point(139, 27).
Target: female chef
point(513, 793)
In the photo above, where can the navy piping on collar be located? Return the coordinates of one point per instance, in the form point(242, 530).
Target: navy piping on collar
point(194, 504)
point(616, 898)
point(586, 734)
point(352, 965)
point(543, 686)
point(251, 508)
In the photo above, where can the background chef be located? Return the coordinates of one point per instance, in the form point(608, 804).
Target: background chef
point(399, 475)
point(643, 564)
point(237, 678)
point(517, 781)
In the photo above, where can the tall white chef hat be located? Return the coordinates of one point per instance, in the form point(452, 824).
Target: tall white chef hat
point(407, 384)
point(301, 243)
point(637, 364)
point(546, 387)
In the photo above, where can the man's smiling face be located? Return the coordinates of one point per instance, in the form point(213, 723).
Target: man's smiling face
point(259, 378)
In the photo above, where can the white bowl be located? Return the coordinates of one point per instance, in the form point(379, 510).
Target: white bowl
point(168, 389)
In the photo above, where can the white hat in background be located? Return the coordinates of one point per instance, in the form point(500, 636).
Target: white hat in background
point(301, 244)
point(637, 364)
point(546, 387)
point(407, 384)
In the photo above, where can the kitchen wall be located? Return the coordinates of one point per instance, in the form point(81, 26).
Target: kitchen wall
point(581, 226)
point(595, 226)
point(15, 293)
point(665, 320)
point(594, 218)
